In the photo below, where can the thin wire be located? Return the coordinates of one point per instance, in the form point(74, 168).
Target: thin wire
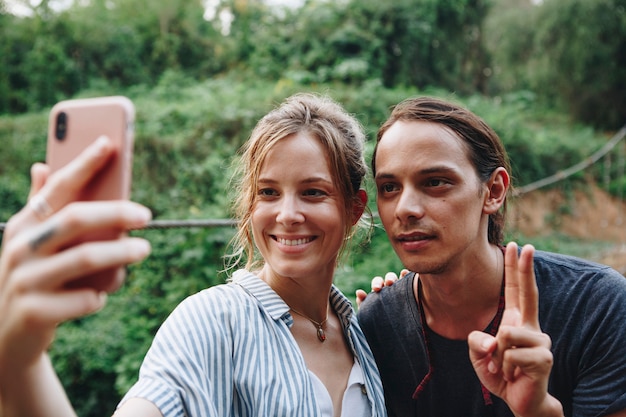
point(620, 182)
point(171, 224)
point(561, 175)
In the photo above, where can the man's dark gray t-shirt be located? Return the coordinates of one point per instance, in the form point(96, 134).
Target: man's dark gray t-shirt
point(582, 307)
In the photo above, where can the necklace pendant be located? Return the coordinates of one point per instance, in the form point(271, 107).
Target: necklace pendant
point(320, 334)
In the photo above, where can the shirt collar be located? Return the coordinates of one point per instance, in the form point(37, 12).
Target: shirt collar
point(276, 307)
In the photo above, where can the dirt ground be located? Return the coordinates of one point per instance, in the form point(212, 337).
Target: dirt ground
point(590, 215)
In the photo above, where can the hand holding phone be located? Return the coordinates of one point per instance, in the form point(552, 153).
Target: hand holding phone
point(73, 126)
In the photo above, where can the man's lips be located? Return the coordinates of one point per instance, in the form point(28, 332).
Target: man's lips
point(414, 241)
point(413, 237)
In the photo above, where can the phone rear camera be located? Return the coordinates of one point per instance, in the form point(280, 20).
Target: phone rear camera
point(61, 126)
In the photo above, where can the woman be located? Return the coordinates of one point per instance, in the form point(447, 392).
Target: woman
point(278, 340)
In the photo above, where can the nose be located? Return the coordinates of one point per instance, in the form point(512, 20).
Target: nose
point(410, 207)
point(289, 211)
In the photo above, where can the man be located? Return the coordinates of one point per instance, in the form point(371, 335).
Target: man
point(456, 338)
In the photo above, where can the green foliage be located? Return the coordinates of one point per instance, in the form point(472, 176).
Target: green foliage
point(54, 55)
point(527, 128)
point(368, 258)
point(408, 42)
point(105, 350)
point(570, 52)
point(23, 141)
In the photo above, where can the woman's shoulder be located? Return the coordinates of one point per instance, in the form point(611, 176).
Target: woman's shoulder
point(214, 300)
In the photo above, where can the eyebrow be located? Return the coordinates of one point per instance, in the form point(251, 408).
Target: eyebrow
point(437, 169)
point(311, 180)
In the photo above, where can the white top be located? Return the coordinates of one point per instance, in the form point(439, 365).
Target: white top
point(354, 402)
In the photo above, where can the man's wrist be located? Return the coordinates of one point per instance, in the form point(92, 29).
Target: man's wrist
point(551, 407)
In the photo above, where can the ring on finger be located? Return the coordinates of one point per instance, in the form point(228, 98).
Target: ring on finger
point(40, 206)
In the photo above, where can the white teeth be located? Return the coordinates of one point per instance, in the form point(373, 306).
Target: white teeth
point(294, 242)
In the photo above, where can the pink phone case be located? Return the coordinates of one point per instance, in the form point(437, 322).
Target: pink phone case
point(75, 124)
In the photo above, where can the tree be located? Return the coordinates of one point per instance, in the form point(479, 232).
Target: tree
point(571, 53)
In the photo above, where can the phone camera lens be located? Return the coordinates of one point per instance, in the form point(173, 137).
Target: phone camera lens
point(61, 126)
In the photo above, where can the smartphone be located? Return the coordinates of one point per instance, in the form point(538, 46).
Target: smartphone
point(75, 124)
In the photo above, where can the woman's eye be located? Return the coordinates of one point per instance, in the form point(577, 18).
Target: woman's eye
point(267, 192)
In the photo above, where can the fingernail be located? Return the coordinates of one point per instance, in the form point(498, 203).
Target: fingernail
point(492, 367)
point(144, 214)
point(138, 217)
point(142, 248)
point(100, 144)
point(103, 296)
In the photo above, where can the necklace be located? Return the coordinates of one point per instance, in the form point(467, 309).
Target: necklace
point(320, 331)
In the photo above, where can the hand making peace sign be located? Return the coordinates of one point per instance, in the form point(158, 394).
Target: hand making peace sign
point(515, 364)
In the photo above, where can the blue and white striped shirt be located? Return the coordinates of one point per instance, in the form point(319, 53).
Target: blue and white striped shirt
point(228, 351)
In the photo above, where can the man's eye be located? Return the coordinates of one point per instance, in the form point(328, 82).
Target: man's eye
point(314, 193)
point(387, 188)
point(435, 182)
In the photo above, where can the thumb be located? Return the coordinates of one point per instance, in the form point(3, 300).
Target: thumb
point(481, 348)
point(481, 345)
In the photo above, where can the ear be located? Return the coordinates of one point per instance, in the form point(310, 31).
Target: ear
point(497, 188)
point(359, 207)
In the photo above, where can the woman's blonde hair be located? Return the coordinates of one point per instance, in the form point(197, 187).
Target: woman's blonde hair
point(340, 134)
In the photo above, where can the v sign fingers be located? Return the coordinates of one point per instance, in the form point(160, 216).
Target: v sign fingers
point(515, 365)
point(521, 299)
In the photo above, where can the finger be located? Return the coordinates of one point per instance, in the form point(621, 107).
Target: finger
point(86, 221)
point(404, 273)
point(360, 297)
point(45, 309)
point(528, 291)
point(518, 337)
point(64, 185)
point(536, 361)
point(390, 279)
point(504, 339)
point(38, 175)
point(58, 271)
point(377, 284)
point(108, 280)
point(511, 281)
point(509, 365)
